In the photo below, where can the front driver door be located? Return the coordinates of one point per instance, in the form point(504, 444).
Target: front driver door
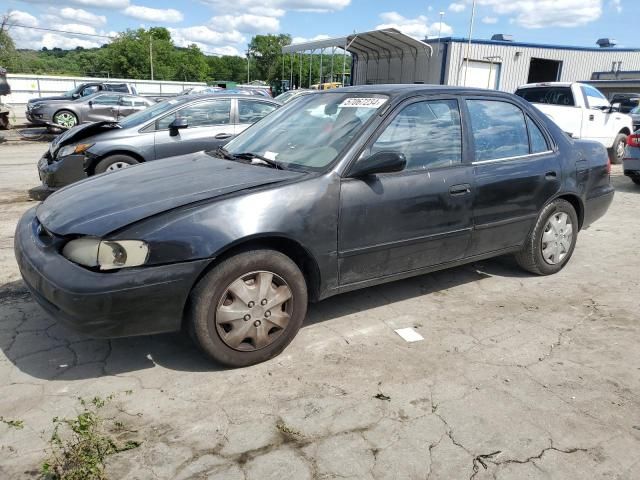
point(209, 125)
point(393, 223)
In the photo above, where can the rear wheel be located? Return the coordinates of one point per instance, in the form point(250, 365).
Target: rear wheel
point(114, 162)
point(248, 308)
point(550, 244)
point(65, 119)
point(636, 181)
point(616, 152)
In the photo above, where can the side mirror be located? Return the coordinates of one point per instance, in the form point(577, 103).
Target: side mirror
point(381, 162)
point(75, 95)
point(616, 107)
point(177, 125)
point(91, 103)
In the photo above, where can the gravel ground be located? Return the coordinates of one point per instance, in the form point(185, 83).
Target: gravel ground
point(518, 376)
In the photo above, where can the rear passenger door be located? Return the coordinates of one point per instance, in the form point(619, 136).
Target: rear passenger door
point(129, 105)
point(103, 107)
point(209, 126)
point(515, 172)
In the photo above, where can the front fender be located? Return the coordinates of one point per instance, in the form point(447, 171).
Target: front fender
point(305, 212)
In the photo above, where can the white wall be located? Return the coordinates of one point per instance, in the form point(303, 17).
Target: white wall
point(25, 87)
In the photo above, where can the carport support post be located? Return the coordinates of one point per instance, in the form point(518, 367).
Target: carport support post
point(310, 65)
point(333, 51)
point(291, 81)
point(321, 53)
point(300, 75)
point(344, 63)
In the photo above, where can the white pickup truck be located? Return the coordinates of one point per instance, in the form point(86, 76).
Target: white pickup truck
point(583, 112)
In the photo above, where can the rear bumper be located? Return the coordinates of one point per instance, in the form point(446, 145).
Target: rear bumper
point(631, 167)
point(128, 302)
point(597, 206)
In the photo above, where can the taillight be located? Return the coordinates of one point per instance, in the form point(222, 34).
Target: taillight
point(633, 140)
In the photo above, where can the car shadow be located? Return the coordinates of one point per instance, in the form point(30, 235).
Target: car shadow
point(41, 347)
point(624, 184)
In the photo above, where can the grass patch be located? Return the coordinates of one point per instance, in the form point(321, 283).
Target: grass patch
point(17, 424)
point(80, 446)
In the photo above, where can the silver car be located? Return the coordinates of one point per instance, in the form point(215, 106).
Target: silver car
point(98, 107)
point(178, 126)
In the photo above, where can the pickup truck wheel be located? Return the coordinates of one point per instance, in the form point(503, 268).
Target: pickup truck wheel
point(552, 240)
point(616, 152)
point(114, 162)
point(248, 308)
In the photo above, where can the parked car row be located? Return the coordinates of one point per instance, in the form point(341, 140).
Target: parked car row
point(185, 124)
point(332, 192)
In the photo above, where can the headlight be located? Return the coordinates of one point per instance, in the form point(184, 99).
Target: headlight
point(71, 149)
point(106, 254)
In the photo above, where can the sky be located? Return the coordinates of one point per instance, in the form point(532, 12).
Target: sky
point(226, 27)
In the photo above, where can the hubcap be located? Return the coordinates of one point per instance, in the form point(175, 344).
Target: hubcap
point(620, 150)
point(253, 311)
point(557, 238)
point(117, 166)
point(65, 120)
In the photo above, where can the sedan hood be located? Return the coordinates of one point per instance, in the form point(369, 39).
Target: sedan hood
point(48, 99)
point(105, 203)
point(78, 133)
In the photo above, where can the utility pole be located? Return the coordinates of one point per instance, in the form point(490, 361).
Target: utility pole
point(473, 14)
point(151, 53)
point(248, 64)
point(440, 31)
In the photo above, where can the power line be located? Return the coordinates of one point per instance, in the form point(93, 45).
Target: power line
point(61, 31)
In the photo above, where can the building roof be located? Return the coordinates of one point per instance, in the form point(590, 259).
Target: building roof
point(386, 42)
point(478, 41)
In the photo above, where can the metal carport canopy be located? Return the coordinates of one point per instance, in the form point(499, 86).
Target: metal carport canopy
point(380, 46)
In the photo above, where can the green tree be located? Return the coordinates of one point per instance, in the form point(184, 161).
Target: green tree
point(266, 56)
point(192, 65)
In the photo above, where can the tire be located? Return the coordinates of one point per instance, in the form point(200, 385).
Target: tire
point(114, 162)
point(257, 338)
point(4, 121)
point(65, 118)
point(532, 256)
point(616, 152)
point(636, 181)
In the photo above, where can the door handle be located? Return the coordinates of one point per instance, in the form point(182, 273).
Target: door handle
point(462, 189)
point(223, 136)
point(551, 175)
point(591, 117)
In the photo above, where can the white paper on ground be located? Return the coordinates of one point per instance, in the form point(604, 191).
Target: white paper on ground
point(409, 334)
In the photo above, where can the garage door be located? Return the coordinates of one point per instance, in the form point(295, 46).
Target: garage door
point(482, 74)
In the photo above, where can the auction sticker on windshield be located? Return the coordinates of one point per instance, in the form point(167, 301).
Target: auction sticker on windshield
point(362, 102)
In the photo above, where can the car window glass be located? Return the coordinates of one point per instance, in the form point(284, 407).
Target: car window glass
point(538, 142)
point(550, 95)
point(499, 129)
point(200, 114)
point(89, 90)
point(106, 100)
point(594, 97)
point(251, 111)
point(427, 133)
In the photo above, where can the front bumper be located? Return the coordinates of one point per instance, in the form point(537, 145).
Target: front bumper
point(135, 301)
point(36, 118)
point(59, 173)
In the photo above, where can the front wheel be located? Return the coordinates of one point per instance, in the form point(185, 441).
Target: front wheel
point(248, 308)
point(550, 244)
point(616, 152)
point(65, 119)
point(113, 163)
point(636, 180)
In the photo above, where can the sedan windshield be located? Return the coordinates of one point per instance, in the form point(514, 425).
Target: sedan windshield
point(308, 134)
point(142, 116)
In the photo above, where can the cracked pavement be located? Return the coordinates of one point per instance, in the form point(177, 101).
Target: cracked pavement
point(518, 377)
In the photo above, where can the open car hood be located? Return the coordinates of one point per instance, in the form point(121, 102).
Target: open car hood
point(105, 203)
point(79, 132)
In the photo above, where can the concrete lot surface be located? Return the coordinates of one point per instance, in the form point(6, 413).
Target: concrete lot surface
point(518, 376)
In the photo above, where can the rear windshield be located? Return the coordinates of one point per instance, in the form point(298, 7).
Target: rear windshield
point(550, 95)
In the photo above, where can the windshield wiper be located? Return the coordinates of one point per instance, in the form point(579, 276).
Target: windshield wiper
point(251, 156)
point(223, 153)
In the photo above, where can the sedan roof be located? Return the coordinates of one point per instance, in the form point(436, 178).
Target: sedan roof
point(403, 90)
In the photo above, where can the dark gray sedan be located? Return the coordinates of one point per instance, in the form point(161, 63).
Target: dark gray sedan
point(184, 124)
point(102, 106)
point(333, 192)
